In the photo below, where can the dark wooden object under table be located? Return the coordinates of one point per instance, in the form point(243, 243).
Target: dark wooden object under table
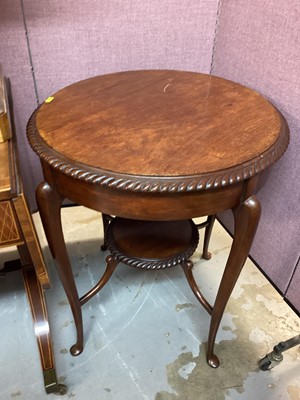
point(155, 146)
point(17, 229)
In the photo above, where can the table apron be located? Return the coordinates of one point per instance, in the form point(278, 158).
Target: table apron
point(143, 205)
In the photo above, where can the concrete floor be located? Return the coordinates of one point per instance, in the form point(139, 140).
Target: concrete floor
point(145, 333)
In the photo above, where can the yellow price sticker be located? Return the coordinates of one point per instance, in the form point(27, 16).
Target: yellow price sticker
point(49, 99)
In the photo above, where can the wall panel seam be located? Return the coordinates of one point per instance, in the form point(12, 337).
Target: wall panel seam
point(29, 53)
point(215, 36)
point(291, 278)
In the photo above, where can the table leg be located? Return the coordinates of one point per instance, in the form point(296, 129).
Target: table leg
point(31, 239)
point(208, 231)
point(106, 219)
point(187, 267)
point(246, 218)
point(49, 203)
point(41, 328)
point(110, 267)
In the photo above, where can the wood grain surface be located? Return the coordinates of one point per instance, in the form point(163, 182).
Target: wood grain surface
point(159, 123)
point(4, 168)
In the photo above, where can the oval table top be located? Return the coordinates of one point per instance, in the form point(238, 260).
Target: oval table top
point(157, 130)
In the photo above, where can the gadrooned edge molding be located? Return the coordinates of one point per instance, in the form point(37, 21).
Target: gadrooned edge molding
point(154, 184)
point(163, 263)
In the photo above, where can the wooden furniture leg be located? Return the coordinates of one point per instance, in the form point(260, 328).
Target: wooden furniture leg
point(38, 308)
point(111, 264)
point(208, 225)
point(106, 219)
point(41, 328)
point(31, 239)
point(187, 268)
point(246, 218)
point(36, 299)
point(208, 231)
point(49, 203)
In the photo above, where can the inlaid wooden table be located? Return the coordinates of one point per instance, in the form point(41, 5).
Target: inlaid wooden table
point(17, 229)
point(155, 146)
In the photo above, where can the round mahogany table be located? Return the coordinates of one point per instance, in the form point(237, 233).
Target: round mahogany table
point(156, 146)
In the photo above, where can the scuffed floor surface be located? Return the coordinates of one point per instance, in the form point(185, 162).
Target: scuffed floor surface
point(145, 333)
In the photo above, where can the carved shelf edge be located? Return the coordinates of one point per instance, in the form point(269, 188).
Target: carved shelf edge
point(152, 264)
point(152, 184)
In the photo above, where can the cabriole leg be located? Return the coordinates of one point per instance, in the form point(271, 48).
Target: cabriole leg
point(246, 218)
point(49, 203)
point(187, 267)
point(208, 231)
point(110, 267)
point(106, 219)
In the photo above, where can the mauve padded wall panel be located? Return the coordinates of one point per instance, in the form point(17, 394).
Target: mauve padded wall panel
point(258, 45)
point(74, 40)
point(16, 65)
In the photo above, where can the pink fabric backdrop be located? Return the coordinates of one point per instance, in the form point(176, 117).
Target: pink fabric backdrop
point(74, 40)
point(15, 62)
point(258, 45)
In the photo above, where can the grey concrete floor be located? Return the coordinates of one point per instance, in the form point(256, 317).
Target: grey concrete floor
point(145, 333)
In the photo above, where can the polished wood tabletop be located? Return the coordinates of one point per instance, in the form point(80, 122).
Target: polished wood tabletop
point(194, 130)
point(156, 145)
